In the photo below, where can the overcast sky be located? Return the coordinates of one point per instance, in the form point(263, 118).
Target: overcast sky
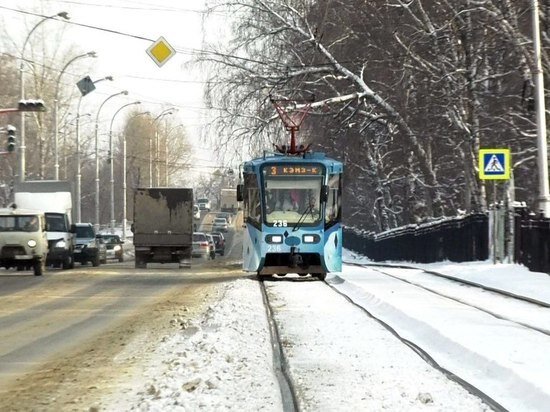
point(124, 56)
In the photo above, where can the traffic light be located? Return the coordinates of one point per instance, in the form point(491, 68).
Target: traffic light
point(31, 106)
point(11, 138)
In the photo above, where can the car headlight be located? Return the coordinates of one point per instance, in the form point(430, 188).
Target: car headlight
point(91, 244)
point(117, 248)
point(61, 244)
point(31, 243)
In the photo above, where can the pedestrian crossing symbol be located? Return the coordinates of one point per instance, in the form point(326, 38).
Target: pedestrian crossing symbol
point(494, 164)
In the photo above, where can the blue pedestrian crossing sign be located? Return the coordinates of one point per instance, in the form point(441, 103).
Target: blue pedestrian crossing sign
point(494, 164)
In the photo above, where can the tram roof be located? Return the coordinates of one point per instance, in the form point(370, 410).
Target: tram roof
point(332, 165)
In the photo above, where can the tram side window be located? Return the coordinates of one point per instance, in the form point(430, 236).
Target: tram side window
point(334, 210)
point(252, 203)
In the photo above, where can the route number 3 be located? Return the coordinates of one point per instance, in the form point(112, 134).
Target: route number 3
point(280, 223)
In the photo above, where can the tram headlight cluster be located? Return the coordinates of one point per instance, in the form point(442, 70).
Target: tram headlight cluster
point(311, 238)
point(274, 239)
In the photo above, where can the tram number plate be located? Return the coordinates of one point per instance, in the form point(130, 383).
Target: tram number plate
point(274, 248)
point(280, 223)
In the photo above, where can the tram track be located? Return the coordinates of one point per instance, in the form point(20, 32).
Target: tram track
point(280, 363)
point(424, 355)
point(283, 365)
point(499, 292)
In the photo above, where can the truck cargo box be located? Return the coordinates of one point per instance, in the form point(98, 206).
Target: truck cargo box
point(163, 225)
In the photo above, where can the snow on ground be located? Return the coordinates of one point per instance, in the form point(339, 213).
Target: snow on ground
point(223, 360)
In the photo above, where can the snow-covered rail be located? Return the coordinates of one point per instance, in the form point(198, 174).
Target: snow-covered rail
point(500, 303)
point(338, 358)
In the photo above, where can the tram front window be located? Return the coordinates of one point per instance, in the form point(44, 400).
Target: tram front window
point(289, 200)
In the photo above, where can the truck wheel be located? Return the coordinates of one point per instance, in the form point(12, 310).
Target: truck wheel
point(140, 262)
point(95, 261)
point(320, 276)
point(39, 266)
point(68, 263)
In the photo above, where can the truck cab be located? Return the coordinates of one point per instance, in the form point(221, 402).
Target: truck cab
point(204, 204)
point(23, 240)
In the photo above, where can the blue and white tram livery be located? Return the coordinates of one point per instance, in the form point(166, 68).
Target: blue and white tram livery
point(292, 214)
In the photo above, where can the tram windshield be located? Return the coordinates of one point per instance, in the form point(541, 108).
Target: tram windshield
point(289, 200)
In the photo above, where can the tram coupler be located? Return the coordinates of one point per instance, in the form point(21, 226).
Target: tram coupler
point(295, 259)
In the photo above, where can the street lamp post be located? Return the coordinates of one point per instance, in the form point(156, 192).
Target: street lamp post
point(542, 158)
point(111, 164)
point(55, 108)
point(124, 188)
point(22, 147)
point(162, 114)
point(78, 173)
point(166, 152)
point(124, 92)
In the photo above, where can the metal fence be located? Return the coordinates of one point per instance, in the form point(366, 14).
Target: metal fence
point(458, 239)
point(532, 242)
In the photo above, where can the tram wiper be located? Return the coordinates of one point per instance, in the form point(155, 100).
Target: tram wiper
point(309, 208)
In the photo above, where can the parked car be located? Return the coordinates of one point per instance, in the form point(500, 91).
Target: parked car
point(114, 246)
point(201, 246)
point(219, 242)
point(89, 247)
point(228, 216)
point(212, 246)
point(220, 224)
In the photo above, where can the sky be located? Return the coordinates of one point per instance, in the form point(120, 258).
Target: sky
point(123, 56)
point(344, 360)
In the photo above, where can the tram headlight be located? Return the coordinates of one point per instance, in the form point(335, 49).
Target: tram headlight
point(310, 238)
point(274, 239)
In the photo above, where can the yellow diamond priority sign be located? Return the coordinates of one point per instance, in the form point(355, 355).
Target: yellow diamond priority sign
point(161, 51)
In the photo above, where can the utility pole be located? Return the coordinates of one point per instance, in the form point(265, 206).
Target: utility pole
point(543, 200)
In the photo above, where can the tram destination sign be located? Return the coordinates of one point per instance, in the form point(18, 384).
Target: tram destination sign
point(294, 170)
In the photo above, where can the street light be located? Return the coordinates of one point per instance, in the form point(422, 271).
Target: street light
point(55, 107)
point(78, 174)
point(124, 92)
point(22, 147)
point(124, 217)
point(111, 164)
point(162, 114)
point(166, 152)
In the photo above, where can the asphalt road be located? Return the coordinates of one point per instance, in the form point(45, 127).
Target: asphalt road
point(60, 332)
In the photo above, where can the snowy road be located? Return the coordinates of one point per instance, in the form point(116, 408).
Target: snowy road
point(216, 354)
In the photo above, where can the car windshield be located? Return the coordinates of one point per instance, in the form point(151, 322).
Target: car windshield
point(111, 239)
point(287, 200)
point(19, 224)
point(220, 220)
point(85, 232)
point(199, 237)
point(56, 222)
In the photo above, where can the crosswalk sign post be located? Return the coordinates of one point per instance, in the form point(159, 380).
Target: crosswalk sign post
point(494, 164)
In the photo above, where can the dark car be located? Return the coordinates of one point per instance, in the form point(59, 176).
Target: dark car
point(114, 245)
point(89, 248)
point(219, 242)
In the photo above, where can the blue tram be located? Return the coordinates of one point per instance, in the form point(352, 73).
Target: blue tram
point(292, 214)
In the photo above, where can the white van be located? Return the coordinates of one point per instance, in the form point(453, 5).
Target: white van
point(204, 204)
